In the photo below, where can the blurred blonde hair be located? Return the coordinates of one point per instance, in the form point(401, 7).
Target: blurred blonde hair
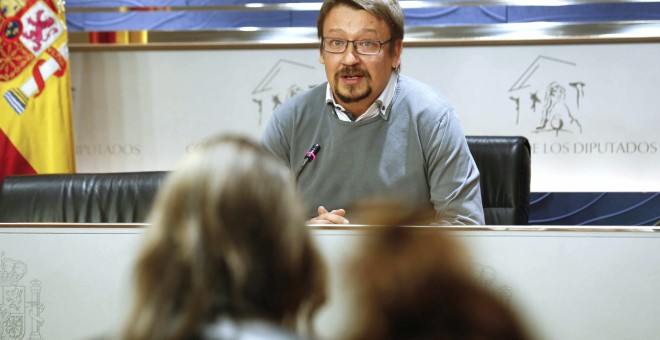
point(227, 238)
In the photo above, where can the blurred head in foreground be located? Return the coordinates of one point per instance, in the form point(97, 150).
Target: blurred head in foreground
point(417, 283)
point(228, 241)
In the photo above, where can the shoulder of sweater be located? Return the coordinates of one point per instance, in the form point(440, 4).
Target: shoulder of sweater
point(412, 86)
point(421, 98)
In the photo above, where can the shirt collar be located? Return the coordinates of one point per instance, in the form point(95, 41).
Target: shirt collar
point(378, 107)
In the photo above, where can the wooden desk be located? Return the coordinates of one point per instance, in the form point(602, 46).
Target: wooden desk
point(568, 283)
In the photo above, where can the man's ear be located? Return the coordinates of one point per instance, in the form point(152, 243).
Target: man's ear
point(396, 54)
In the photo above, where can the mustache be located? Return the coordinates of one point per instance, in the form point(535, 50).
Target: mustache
point(355, 71)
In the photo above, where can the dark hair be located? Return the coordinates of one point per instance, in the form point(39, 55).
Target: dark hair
point(228, 238)
point(416, 283)
point(388, 10)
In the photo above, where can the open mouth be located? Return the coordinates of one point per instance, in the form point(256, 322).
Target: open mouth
point(352, 76)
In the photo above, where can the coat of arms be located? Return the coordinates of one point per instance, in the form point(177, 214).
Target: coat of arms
point(28, 31)
point(14, 309)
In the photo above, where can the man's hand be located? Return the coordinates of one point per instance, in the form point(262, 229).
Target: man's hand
point(329, 217)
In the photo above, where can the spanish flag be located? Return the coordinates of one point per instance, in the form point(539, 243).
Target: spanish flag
point(36, 129)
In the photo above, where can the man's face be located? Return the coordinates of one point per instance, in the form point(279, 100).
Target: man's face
point(357, 80)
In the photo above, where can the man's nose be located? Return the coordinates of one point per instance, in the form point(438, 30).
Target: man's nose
point(351, 56)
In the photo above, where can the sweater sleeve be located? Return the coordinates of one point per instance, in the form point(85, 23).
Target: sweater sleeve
point(453, 176)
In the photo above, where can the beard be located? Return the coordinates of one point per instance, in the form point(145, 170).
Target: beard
point(352, 93)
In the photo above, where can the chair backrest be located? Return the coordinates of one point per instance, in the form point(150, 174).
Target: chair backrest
point(505, 167)
point(124, 197)
point(504, 164)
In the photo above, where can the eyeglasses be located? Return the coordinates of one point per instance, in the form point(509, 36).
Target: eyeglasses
point(335, 45)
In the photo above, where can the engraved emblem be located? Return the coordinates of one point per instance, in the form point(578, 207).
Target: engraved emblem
point(14, 309)
point(550, 92)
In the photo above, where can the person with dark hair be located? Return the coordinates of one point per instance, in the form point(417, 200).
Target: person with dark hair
point(227, 254)
point(416, 283)
point(380, 132)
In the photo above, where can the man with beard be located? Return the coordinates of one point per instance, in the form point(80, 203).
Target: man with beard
point(381, 134)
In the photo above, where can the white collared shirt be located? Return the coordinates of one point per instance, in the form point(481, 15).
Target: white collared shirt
point(378, 107)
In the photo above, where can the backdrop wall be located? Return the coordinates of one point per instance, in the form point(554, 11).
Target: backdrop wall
point(589, 111)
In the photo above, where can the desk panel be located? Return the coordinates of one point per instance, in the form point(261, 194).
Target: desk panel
point(568, 284)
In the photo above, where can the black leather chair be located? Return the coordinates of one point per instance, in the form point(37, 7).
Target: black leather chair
point(504, 164)
point(505, 167)
point(79, 198)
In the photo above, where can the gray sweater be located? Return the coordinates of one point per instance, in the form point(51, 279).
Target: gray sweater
point(415, 151)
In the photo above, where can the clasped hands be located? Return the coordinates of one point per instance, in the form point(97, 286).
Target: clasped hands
point(329, 217)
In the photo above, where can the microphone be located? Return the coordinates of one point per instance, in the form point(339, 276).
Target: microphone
point(309, 157)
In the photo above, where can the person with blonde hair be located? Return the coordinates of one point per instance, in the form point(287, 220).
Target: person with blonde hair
point(227, 254)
